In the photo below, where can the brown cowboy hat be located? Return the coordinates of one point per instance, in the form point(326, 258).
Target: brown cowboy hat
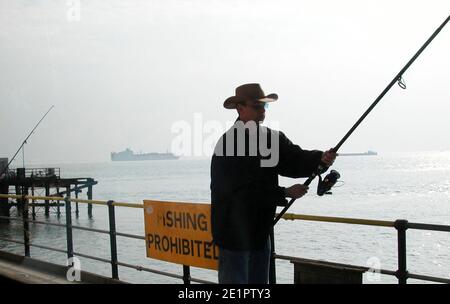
point(249, 91)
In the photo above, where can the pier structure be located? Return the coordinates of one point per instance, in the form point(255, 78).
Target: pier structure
point(42, 182)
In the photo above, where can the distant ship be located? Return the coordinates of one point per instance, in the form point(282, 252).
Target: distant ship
point(356, 154)
point(129, 155)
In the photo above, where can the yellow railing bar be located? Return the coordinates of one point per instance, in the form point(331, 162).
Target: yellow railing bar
point(286, 216)
point(129, 205)
point(50, 198)
point(292, 216)
point(74, 200)
point(85, 201)
point(120, 204)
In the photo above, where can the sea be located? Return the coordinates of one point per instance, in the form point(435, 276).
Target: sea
point(388, 186)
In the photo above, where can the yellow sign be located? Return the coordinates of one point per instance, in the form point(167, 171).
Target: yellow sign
point(180, 233)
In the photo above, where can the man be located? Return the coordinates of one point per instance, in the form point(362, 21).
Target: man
point(245, 190)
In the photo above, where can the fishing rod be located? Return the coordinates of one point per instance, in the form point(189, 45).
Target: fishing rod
point(331, 178)
point(25, 141)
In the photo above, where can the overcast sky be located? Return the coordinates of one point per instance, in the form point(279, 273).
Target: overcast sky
point(122, 73)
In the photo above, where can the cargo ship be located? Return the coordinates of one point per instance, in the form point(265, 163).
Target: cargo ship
point(129, 155)
point(368, 153)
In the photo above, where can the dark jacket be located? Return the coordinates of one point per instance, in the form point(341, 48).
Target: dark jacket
point(244, 195)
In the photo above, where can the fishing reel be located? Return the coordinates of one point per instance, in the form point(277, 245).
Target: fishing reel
point(324, 186)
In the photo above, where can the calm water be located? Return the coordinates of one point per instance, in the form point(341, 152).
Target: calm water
point(413, 186)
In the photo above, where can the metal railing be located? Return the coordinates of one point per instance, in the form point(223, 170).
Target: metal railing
point(401, 226)
point(35, 173)
point(69, 227)
point(42, 172)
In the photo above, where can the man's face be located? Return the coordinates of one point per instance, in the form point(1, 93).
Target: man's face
point(252, 111)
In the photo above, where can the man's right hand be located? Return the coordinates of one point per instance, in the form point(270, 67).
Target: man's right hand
point(296, 191)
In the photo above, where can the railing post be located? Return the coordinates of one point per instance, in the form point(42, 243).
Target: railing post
point(58, 209)
point(113, 241)
point(76, 204)
point(47, 205)
point(402, 272)
point(272, 268)
point(33, 202)
point(26, 226)
point(4, 202)
point(186, 274)
point(89, 195)
point(69, 228)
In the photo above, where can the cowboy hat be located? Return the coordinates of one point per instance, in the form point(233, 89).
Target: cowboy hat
point(249, 91)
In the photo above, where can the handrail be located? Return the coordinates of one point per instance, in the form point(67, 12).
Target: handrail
point(73, 200)
point(286, 216)
point(329, 219)
point(400, 225)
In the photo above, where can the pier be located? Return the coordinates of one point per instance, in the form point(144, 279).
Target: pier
point(42, 182)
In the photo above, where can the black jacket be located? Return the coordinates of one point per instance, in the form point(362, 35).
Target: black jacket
point(244, 195)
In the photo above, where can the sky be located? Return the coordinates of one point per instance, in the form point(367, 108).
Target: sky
point(126, 73)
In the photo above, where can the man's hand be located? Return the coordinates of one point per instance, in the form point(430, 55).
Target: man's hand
point(328, 157)
point(296, 191)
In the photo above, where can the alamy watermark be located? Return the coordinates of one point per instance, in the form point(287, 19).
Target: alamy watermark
point(74, 272)
point(73, 12)
point(374, 272)
point(203, 138)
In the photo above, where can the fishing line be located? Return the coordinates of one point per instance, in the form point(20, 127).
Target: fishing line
point(322, 168)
